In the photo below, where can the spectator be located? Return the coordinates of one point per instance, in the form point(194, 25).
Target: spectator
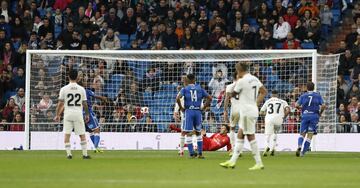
point(7, 13)
point(326, 17)
point(8, 108)
point(279, 8)
point(142, 36)
point(75, 42)
point(352, 107)
point(5, 27)
point(291, 41)
point(290, 17)
point(247, 37)
point(351, 37)
point(299, 31)
point(110, 41)
point(128, 23)
point(354, 125)
point(356, 71)
point(313, 32)
point(262, 13)
point(309, 6)
point(236, 24)
point(133, 97)
point(343, 125)
point(346, 62)
point(19, 80)
point(344, 87)
point(45, 28)
point(8, 55)
point(342, 111)
point(18, 31)
point(281, 29)
point(187, 39)
point(217, 83)
point(19, 98)
point(66, 35)
point(45, 103)
point(12, 115)
point(18, 123)
point(215, 36)
point(200, 39)
point(170, 39)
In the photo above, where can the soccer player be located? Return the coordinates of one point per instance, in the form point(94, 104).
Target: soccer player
point(311, 104)
point(217, 140)
point(234, 111)
point(276, 111)
point(193, 96)
point(251, 93)
point(93, 126)
point(72, 99)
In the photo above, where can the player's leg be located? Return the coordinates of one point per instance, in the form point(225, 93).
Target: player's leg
point(303, 131)
point(188, 128)
point(250, 127)
point(238, 147)
point(198, 127)
point(68, 127)
point(269, 130)
point(273, 138)
point(234, 119)
point(311, 130)
point(79, 128)
point(182, 138)
point(97, 140)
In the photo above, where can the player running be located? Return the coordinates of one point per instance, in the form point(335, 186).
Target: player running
point(193, 95)
point(311, 104)
point(234, 111)
point(92, 126)
point(74, 97)
point(251, 93)
point(276, 111)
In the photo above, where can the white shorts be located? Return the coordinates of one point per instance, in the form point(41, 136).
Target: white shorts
point(248, 124)
point(234, 118)
point(74, 122)
point(273, 125)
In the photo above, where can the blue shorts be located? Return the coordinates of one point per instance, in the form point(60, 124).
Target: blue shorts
point(309, 124)
point(193, 119)
point(93, 122)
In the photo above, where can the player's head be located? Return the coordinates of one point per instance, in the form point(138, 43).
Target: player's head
point(274, 93)
point(73, 74)
point(185, 80)
point(224, 129)
point(242, 67)
point(310, 86)
point(190, 78)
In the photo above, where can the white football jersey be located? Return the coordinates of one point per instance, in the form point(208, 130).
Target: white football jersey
point(73, 96)
point(177, 108)
point(275, 108)
point(235, 104)
point(248, 88)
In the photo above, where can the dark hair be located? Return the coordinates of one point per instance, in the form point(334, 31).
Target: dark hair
point(274, 92)
point(191, 77)
point(73, 74)
point(234, 75)
point(227, 128)
point(243, 65)
point(310, 86)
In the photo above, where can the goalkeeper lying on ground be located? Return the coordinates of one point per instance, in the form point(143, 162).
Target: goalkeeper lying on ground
point(217, 140)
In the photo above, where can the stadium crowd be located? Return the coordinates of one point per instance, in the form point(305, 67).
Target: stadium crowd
point(145, 24)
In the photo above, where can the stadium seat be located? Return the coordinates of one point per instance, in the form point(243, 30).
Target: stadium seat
point(307, 45)
point(168, 87)
point(117, 78)
point(252, 21)
point(147, 96)
point(279, 45)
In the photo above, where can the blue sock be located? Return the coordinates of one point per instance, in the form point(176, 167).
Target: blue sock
point(96, 140)
point(191, 149)
point(300, 141)
point(92, 137)
point(306, 146)
point(199, 144)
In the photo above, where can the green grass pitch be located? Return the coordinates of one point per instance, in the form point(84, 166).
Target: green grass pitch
point(136, 169)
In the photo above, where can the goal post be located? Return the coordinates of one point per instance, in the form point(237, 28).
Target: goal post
point(135, 81)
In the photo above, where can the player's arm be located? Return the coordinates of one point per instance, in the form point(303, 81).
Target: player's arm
point(105, 99)
point(85, 106)
point(176, 114)
point(208, 99)
point(263, 108)
point(262, 95)
point(298, 103)
point(286, 111)
point(59, 110)
point(323, 106)
point(226, 106)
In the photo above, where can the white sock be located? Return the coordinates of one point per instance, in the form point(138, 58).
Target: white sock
point(255, 151)
point(267, 141)
point(273, 139)
point(68, 148)
point(182, 142)
point(232, 139)
point(84, 148)
point(238, 148)
point(194, 140)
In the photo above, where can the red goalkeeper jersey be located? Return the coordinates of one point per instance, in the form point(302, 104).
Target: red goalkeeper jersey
point(215, 142)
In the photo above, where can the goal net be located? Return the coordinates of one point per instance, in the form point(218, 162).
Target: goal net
point(141, 86)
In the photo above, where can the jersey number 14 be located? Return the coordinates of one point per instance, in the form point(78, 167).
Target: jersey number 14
point(193, 95)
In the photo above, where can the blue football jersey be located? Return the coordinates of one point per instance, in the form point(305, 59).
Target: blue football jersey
point(193, 96)
point(89, 95)
point(310, 103)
